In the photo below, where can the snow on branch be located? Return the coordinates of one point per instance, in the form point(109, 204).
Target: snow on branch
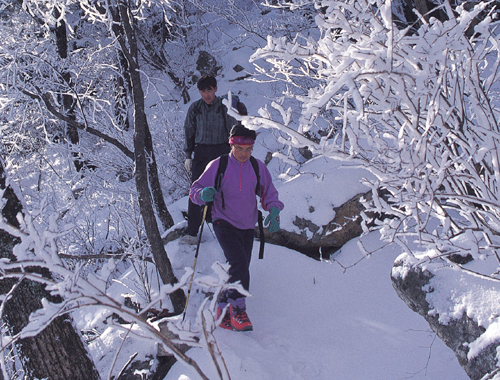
point(73, 291)
point(417, 110)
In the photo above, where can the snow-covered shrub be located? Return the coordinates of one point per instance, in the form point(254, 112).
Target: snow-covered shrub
point(418, 111)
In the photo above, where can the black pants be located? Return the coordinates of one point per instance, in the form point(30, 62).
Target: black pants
point(237, 246)
point(203, 154)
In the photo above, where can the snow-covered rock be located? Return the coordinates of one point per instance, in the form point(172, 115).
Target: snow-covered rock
point(419, 285)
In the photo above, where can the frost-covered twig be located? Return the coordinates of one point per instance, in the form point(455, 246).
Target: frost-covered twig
point(76, 292)
point(116, 356)
point(416, 110)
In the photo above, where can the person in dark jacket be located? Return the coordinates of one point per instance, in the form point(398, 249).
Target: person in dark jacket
point(206, 130)
point(234, 215)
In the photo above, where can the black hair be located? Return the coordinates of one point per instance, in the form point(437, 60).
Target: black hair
point(206, 82)
point(241, 130)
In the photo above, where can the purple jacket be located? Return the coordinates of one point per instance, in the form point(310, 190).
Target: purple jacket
point(238, 186)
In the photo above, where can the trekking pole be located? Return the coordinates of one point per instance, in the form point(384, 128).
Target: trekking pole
point(195, 259)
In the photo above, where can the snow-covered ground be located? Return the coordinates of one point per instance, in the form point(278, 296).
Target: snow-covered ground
point(315, 320)
point(339, 319)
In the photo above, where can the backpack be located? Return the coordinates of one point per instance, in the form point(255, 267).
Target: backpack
point(237, 104)
point(258, 191)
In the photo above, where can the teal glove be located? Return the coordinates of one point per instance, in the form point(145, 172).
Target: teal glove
point(207, 194)
point(273, 219)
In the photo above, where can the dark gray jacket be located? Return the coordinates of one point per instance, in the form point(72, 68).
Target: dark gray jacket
point(206, 124)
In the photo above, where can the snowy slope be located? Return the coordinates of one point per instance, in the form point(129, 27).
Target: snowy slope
point(313, 320)
point(339, 319)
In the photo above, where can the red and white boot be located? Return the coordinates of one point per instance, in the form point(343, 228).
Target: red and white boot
point(239, 317)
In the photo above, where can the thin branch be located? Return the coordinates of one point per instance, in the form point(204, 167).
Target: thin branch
point(45, 98)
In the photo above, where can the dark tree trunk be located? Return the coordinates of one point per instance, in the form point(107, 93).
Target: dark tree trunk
point(67, 99)
point(122, 85)
point(153, 178)
point(57, 352)
point(141, 132)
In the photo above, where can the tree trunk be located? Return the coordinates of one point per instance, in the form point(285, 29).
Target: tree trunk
point(141, 132)
point(67, 99)
point(154, 181)
point(57, 352)
point(158, 201)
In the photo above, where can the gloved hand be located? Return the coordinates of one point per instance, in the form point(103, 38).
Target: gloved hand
point(273, 219)
point(207, 194)
point(188, 164)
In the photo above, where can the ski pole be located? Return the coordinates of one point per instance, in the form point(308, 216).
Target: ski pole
point(195, 259)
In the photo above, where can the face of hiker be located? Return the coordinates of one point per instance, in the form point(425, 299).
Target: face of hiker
point(208, 95)
point(242, 152)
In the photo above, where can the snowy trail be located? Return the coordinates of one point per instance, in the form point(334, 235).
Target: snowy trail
point(312, 320)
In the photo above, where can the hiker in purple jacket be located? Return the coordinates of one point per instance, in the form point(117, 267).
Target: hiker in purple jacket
point(234, 215)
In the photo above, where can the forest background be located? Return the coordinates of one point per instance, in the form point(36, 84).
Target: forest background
point(92, 99)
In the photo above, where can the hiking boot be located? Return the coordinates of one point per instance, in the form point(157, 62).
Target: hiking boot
point(239, 319)
point(226, 321)
point(188, 240)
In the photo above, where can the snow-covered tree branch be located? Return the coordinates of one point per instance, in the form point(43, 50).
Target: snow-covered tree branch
point(73, 291)
point(416, 110)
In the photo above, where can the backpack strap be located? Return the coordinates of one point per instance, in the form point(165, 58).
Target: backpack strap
point(255, 165)
point(222, 169)
point(197, 108)
point(220, 174)
point(261, 235)
point(259, 191)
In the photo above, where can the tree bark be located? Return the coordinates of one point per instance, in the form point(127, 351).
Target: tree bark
point(159, 202)
point(57, 352)
point(154, 181)
point(141, 132)
point(67, 99)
